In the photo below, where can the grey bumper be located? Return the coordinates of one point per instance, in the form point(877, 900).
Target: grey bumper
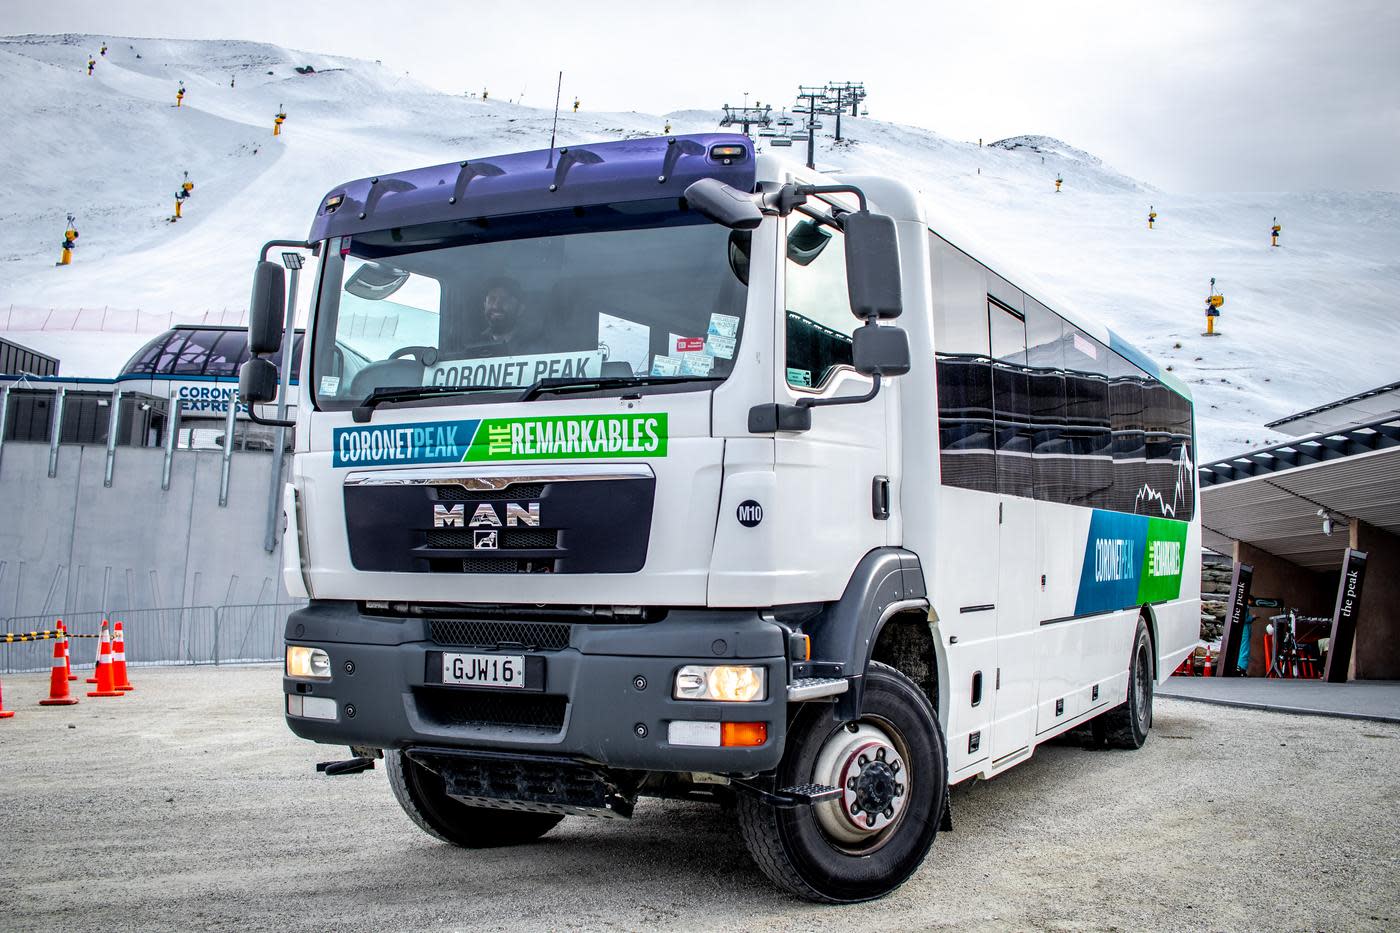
point(606, 697)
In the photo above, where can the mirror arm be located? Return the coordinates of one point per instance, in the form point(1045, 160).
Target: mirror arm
point(843, 399)
point(270, 422)
point(791, 197)
point(294, 244)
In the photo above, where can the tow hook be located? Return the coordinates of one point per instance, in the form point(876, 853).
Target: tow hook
point(348, 766)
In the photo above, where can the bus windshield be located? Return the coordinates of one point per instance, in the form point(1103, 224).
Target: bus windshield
point(627, 293)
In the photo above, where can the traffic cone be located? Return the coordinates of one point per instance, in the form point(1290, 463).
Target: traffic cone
point(58, 676)
point(1205, 673)
point(67, 653)
point(4, 713)
point(119, 679)
point(105, 687)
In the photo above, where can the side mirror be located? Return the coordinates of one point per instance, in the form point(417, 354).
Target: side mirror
point(725, 205)
point(872, 266)
point(880, 351)
point(257, 381)
point(267, 309)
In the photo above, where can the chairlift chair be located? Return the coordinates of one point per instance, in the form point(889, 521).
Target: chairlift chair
point(781, 141)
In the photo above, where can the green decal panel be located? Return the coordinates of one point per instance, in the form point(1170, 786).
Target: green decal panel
point(1161, 561)
point(569, 437)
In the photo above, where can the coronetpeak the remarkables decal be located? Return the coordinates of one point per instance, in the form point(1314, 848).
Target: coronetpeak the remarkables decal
point(502, 439)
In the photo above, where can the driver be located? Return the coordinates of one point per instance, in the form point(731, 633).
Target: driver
point(507, 323)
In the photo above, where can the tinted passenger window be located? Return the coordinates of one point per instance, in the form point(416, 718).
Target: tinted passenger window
point(963, 364)
point(1011, 401)
point(819, 319)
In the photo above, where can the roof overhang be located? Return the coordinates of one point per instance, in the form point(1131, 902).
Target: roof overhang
point(532, 182)
point(1270, 498)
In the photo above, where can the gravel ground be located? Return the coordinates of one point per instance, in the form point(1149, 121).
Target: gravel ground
point(188, 805)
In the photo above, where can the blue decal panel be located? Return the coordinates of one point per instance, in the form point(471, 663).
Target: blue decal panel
point(1112, 562)
point(394, 444)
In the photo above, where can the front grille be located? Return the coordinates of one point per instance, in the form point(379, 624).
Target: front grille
point(445, 706)
point(516, 538)
point(462, 494)
point(475, 633)
point(491, 565)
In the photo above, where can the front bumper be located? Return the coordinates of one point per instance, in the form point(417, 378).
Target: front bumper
point(606, 697)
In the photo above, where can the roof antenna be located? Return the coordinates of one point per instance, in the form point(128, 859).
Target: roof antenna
point(557, 88)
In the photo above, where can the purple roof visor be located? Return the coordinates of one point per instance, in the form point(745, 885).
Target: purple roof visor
point(529, 182)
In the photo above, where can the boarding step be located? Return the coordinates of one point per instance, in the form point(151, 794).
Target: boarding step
point(811, 793)
point(814, 688)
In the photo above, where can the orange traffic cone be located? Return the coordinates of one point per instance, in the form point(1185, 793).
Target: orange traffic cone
point(58, 676)
point(1207, 672)
point(105, 688)
point(67, 657)
point(119, 679)
point(4, 713)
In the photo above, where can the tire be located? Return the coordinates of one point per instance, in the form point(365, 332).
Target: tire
point(799, 849)
point(1126, 726)
point(421, 794)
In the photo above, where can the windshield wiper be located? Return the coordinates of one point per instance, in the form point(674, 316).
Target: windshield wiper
point(363, 411)
point(565, 384)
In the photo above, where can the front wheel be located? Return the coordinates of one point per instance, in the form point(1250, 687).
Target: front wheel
point(892, 767)
point(1126, 726)
point(424, 798)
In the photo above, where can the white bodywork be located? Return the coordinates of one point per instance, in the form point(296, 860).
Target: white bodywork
point(975, 548)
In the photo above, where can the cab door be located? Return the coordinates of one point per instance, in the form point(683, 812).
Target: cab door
point(826, 476)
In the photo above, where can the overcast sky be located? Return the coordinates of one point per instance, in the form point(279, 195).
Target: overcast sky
point(1231, 95)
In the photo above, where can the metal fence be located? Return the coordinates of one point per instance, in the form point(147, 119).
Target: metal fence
point(181, 635)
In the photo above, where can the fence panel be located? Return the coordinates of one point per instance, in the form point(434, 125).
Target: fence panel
point(23, 656)
point(252, 633)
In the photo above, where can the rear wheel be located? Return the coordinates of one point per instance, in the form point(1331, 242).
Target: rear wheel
point(892, 768)
point(1126, 726)
point(424, 798)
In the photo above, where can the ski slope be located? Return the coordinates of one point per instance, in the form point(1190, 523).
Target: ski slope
point(1313, 320)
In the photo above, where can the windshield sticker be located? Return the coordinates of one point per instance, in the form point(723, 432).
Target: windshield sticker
point(501, 439)
point(696, 364)
point(724, 325)
point(621, 340)
point(515, 370)
point(799, 377)
point(666, 366)
point(687, 344)
point(722, 347)
point(330, 385)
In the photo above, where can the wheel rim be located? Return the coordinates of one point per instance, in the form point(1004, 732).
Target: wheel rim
point(868, 760)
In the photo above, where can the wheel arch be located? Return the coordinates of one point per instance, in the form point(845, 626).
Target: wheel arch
point(1150, 617)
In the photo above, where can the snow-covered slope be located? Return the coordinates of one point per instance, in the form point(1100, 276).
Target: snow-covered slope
point(1312, 320)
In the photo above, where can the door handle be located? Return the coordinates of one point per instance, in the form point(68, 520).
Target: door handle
point(880, 498)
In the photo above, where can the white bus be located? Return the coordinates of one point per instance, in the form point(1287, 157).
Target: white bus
point(686, 472)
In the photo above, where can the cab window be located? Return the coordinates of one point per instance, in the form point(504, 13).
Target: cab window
point(819, 319)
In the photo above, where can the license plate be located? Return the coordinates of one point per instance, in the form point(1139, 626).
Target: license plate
point(484, 670)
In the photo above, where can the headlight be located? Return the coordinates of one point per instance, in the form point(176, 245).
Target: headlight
point(732, 683)
point(308, 663)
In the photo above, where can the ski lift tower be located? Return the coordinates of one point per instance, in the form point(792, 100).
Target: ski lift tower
point(812, 103)
point(851, 92)
point(747, 116)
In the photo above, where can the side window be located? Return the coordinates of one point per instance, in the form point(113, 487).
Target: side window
point(1090, 426)
point(1125, 399)
point(1045, 354)
point(819, 319)
point(1011, 398)
point(963, 365)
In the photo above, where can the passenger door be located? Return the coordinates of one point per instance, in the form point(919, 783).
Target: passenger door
point(1014, 683)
